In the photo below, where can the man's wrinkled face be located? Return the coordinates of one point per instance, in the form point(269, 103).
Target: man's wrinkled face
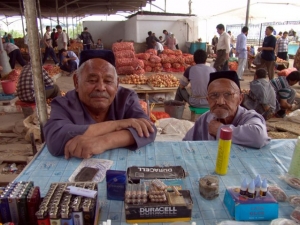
point(223, 98)
point(97, 85)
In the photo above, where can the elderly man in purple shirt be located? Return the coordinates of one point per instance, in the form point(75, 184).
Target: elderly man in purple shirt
point(224, 98)
point(97, 116)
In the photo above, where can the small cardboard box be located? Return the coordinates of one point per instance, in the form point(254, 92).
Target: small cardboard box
point(160, 212)
point(241, 208)
point(136, 173)
point(115, 184)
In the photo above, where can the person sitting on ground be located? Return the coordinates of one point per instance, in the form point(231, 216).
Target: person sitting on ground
point(158, 47)
point(9, 39)
point(25, 88)
point(285, 94)
point(70, 61)
point(224, 99)
point(98, 115)
point(197, 76)
point(99, 45)
point(14, 54)
point(261, 97)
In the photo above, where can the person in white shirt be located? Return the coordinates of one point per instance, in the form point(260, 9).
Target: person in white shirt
point(158, 47)
point(232, 43)
point(223, 48)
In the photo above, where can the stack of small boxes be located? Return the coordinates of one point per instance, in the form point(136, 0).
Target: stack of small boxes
point(64, 208)
point(19, 202)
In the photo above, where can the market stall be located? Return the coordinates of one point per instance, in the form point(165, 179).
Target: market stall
point(197, 159)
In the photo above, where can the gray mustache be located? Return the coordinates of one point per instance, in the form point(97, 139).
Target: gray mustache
point(99, 95)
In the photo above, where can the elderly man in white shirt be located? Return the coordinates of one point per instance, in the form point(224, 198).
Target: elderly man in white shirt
point(158, 47)
point(223, 48)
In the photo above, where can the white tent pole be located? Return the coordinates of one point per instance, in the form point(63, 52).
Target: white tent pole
point(247, 13)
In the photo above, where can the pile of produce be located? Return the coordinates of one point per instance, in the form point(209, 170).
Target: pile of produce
point(168, 61)
point(286, 72)
point(154, 116)
point(75, 46)
point(163, 80)
point(134, 79)
point(126, 62)
point(12, 75)
point(279, 60)
point(52, 70)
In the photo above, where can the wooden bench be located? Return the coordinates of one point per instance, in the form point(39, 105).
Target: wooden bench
point(27, 107)
point(197, 112)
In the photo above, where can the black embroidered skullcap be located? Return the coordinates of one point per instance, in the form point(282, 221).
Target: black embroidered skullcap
point(231, 75)
point(92, 54)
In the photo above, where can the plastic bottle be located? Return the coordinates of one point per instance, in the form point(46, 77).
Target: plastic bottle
point(223, 150)
point(251, 189)
point(244, 187)
point(257, 187)
point(294, 169)
point(264, 188)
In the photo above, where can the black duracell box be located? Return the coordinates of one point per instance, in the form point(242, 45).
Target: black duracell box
point(135, 173)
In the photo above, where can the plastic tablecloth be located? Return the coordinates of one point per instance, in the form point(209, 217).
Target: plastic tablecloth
point(197, 158)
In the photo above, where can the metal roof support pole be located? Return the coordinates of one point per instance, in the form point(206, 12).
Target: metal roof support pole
point(57, 11)
point(165, 6)
point(190, 7)
point(36, 62)
point(247, 13)
point(259, 34)
point(21, 13)
point(67, 19)
point(40, 16)
point(73, 27)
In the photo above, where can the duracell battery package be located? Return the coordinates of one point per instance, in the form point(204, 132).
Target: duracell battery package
point(135, 173)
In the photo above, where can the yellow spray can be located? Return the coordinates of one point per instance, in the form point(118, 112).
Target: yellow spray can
point(223, 150)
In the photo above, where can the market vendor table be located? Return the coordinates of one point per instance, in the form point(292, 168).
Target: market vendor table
point(146, 89)
point(197, 158)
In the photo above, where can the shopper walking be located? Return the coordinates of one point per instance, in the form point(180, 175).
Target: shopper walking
point(87, 39)
point(49, 51)
point(267, 52)
point(241, 51)
point(282, 46)
point(223, 48)
point(62, 42)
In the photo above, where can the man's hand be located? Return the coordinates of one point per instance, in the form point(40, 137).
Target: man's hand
point(260, 49)
point(142, 126)
point(65, 60)
point(213, 127)
point(83, 147)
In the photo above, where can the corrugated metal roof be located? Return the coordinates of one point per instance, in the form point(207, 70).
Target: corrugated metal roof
point(159, 14)
point(76, 7)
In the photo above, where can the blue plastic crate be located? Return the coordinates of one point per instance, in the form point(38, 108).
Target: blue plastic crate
point(5, 97)
point(198, 110)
